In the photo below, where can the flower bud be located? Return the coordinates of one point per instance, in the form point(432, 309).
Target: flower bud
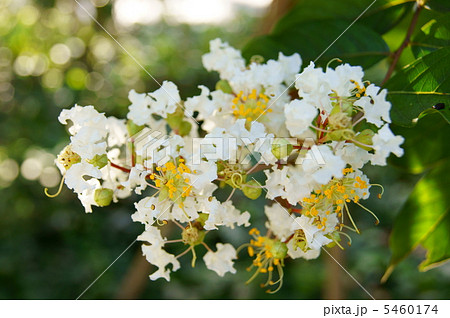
point(224, 86)
point(281, 148)
point(279, 250)
point(103, 196)
point(99, 161)
point(365, 137)
point(341, 135)
point(253, 191)
point(177, 123)
point(185, 128)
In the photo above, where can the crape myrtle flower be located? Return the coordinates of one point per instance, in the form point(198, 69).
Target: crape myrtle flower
point(310, 132)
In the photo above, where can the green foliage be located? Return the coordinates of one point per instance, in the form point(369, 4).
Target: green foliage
point(424, 144)
point(359, 45)
point(423, 219)
point(421, 85)
point(432, 36)
point(313, 25)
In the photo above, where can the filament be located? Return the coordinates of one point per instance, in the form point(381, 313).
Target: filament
point(59, 189)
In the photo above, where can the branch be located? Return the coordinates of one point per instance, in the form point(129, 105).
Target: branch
point(406, 41)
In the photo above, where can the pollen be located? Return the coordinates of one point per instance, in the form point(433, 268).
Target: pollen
point(169, 179)
point(67, 157)
point(251, 106)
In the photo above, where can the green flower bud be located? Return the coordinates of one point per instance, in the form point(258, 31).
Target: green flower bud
point(253, 191)
point(279, 250)
point(132, 128)
point(224, 86)
point(176, 122)
point(185, 128)
point(99, 161)
point(365, 137)
point(341, 135)
point(281, 148)
point(103, 196)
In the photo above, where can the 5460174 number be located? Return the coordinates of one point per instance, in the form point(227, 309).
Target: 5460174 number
point(410, 309)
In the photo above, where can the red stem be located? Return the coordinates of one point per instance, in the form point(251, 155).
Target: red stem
point(404, 44)
point(119, 167)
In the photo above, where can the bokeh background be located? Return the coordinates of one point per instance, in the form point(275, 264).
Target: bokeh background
point(53, 55)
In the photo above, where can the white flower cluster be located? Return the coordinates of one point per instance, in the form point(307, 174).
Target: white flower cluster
point(311, 142)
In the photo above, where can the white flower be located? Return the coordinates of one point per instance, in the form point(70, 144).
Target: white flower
point(279, 221)
point(153, 236)
point(296, 252)
point(342, 79)
point(201, 103)
point(136, 179)
point(290, 183)
point(117, 131)
point(206, 172)
point(87, 196)
point(88, 130)
point(315, 238)
point(276, 180)
point(375, 106)
point(87, 142)
point(299, 115)
point(149, 209)
point(160, 258)
point(312, 82)
point(155, 254)
point(221, 261)
point(139, 110)
point(323, 164)
point(298, 185)
point(83, 116)
point(223, 59)
point(188, 212)
point(355, 156)
point(385, 142)
point(224, 214)
point(166, 99)
point(290, 66)
point(74, 178)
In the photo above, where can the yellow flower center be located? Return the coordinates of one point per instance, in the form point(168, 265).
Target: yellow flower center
point(169, 179)
point(251, 106)
point(67, 157)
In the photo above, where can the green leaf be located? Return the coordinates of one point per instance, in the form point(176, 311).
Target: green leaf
point(438, 245)
point(423, 144)
point(419, 219)
point(359, 45)
point(432, 36)
point(420, 86)
point(439, 5)
point(381, 16)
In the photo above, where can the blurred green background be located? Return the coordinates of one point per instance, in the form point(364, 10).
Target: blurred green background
point(52, 55)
